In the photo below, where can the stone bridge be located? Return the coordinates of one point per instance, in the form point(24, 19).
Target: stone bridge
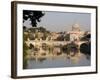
point(39, 43)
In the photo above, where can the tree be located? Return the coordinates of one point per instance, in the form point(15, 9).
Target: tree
point(60, 38)
point(34, 16)
point(67, 37)
point(86, 37)
point(41, 29)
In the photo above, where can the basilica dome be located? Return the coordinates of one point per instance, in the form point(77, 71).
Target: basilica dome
point(76, 27)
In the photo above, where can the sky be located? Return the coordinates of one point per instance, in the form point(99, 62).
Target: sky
point(63, 21)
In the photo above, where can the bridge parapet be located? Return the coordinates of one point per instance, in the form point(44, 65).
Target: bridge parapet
point(54, 42)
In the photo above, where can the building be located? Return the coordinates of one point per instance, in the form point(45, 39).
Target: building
point(75, 33)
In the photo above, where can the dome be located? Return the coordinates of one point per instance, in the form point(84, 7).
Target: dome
point(76, 27)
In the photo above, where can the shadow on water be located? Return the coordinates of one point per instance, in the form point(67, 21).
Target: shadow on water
point(85, 48)
point(70, 49)
point(41, 59)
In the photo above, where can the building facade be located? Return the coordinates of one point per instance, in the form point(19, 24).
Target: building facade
point(75, 33)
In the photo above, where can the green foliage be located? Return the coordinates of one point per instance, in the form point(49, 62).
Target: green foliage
point(25, 36)
point(34, 16)
point(67, 37)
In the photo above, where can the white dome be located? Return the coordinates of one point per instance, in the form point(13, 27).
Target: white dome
point(76, 27)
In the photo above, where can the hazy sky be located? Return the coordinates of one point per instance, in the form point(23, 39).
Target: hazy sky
point(63, 21)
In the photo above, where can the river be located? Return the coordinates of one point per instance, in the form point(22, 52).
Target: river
point(56, 62)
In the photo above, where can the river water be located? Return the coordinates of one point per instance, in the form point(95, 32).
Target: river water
point(72, 61)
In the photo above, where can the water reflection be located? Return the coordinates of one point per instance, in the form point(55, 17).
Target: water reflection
point(56, 56)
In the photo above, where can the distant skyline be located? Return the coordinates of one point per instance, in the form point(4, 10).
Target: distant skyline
point(63, 21)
